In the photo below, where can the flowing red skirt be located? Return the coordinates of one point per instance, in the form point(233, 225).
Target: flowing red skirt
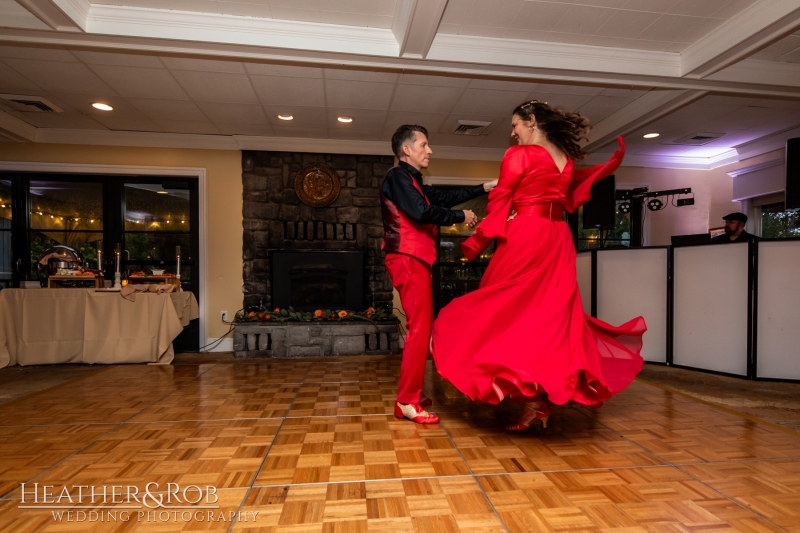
point(524, 332)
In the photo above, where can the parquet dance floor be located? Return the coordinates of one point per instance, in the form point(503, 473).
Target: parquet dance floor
point(311, 446)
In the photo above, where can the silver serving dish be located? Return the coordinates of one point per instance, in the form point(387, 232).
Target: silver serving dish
point(55, 257)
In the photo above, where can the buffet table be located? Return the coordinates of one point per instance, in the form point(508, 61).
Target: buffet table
point(50, 326)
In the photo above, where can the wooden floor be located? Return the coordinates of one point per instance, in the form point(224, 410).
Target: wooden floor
point(299, 446)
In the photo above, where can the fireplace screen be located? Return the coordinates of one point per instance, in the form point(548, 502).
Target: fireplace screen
point(310, 280)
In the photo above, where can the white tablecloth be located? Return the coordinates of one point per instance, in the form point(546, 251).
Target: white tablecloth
point(49, 326)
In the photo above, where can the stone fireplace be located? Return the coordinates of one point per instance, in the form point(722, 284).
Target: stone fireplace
point(277, 222)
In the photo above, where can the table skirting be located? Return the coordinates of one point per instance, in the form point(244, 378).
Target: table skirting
point(50, 326)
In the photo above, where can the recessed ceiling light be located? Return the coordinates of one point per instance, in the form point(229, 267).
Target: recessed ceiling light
point(651, 135)
point(286, 117)
point(102, 107)
point(162, 192)
point(345, 119)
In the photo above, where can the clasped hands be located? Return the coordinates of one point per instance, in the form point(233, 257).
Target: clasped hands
point(470, 218)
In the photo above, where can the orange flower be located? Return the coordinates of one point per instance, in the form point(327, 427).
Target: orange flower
point(266, 317)
point(318, 313)
point(251, 314)
point(370, 310)
point(342, 314)
point(277, 310)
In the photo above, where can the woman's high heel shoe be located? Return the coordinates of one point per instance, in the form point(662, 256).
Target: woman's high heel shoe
point(532, 412)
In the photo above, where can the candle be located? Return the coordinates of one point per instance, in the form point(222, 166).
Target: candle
point(99, 259)
point(178, 255)
point(117, 251)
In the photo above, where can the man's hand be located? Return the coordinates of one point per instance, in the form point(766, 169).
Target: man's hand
point(489, 185)
point(470, 219)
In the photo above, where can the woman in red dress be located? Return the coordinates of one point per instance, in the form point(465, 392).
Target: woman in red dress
point(523, 334)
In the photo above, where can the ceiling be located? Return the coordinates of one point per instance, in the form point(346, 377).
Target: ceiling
point(215, 74)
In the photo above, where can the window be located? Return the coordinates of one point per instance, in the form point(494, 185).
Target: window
point(149, 215)
point(68, 213)
point(453, 275)
point(5, 232)
point(157, 222)
point(620, 235)
point(779, 223)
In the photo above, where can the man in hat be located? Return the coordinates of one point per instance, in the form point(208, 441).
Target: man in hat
point(734, 229)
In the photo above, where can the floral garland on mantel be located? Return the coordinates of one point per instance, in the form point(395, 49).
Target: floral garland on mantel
point(260, 314)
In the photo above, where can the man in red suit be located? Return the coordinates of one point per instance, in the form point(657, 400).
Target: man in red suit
point(412, 213)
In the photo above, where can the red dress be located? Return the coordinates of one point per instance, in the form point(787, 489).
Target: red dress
point(524, 331)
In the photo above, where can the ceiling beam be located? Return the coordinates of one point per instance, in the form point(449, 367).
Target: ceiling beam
point(760, 24)
point(754, 83)
point(642, 111)
point(48, 12)
point(242, 38)
point(415, 25)
point(185, 27)
point(15, 129)
point(520, 72)
point(76, 10)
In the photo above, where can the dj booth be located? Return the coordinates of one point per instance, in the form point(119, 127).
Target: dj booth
point(732, 309)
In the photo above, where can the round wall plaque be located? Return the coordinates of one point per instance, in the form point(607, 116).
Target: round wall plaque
point(317, 184)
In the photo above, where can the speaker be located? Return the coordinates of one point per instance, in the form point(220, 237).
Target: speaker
point(793, 173)
point(600, 211)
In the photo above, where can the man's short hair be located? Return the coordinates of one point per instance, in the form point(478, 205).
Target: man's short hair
point(405, 134)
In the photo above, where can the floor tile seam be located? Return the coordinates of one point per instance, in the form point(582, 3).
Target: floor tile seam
point(260, 467)
point(574, 470)
point(346, 481)
point(115, 426)
point(51, 467)
point(255, 477)
point(620, 435)
point(678, 469)
point(170, 393)
point(730, 499)
point(18, 399)
point(728, 410)
point(474, 478)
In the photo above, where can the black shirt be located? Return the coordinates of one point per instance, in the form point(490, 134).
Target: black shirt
point(743, 237)
point(401, 191)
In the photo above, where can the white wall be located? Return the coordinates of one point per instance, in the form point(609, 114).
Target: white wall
point(713, 190)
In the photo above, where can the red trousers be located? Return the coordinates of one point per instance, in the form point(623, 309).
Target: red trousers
point(412, 279)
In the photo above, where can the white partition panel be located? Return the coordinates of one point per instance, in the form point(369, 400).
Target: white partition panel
point(584, 265)
point(633, 283)
point(710, 307)
point(778, 322)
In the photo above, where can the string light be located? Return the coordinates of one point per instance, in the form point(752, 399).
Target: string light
point(153, 221)
point(60, 218)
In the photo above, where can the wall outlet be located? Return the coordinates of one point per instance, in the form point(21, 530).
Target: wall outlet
point(224, 316)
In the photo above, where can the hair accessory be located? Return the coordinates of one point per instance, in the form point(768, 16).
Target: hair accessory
point(536, 102)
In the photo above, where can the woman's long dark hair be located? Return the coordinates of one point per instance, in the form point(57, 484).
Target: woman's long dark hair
point(562, 128)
